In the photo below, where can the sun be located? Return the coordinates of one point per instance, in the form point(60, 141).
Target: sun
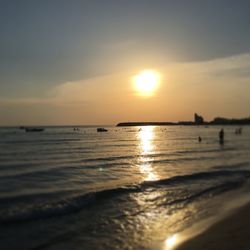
point(146, 82)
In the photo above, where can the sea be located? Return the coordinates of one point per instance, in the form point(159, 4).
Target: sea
point(127, 188)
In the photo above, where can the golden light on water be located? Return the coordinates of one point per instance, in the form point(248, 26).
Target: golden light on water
point(146, 82)
point(148, 171)
point(146, 147)
point(171, 242)
point(146, 135)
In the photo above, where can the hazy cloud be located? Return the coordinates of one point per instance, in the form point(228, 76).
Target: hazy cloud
point(214, 87)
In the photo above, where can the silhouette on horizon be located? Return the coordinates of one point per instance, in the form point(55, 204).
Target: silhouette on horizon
point(198, 119)
point(221, 136)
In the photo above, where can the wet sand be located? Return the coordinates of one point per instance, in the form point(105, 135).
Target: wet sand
point(233, 232)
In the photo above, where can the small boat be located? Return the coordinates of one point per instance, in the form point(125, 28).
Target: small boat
point(102, 130)
point(34, 129)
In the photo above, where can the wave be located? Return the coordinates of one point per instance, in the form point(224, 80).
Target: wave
point(28, 170)
point(151, 156)
point(111, 158)
point(40, 206)
point(57, 208)
point(42, 141)
point(211, 150)
point(200, 176)
point(239, 165)
point(32, 168)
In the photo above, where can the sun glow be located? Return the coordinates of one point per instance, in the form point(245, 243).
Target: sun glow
point(146, 82)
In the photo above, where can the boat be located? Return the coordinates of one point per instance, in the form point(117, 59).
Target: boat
point(102, 130)
point(34, 129)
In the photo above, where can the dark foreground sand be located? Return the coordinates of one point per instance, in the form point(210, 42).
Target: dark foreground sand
point(232, 232)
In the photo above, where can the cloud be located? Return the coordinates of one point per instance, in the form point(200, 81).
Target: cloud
point(234, 66)
point(76, 102)
point(214, 87)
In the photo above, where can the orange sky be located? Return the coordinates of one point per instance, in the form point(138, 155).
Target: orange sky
point(72, 62)
point(204, 87)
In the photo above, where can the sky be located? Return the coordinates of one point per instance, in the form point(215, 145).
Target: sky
point(72, 62)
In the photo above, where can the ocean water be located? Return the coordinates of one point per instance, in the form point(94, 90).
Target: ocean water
point(128, 188)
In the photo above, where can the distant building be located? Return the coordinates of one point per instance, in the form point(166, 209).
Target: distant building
point(198, 119)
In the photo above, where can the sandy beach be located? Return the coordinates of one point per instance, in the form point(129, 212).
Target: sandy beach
point(230, 233)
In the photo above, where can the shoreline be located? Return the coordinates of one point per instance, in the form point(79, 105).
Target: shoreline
point(232, 232)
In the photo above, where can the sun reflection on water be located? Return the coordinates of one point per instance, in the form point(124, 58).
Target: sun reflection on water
point(171, 242)
point(147, 148)
point(148, 172)
point(146, 135)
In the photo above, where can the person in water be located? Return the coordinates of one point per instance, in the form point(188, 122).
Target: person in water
point(238, 131)
point(221, 136)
